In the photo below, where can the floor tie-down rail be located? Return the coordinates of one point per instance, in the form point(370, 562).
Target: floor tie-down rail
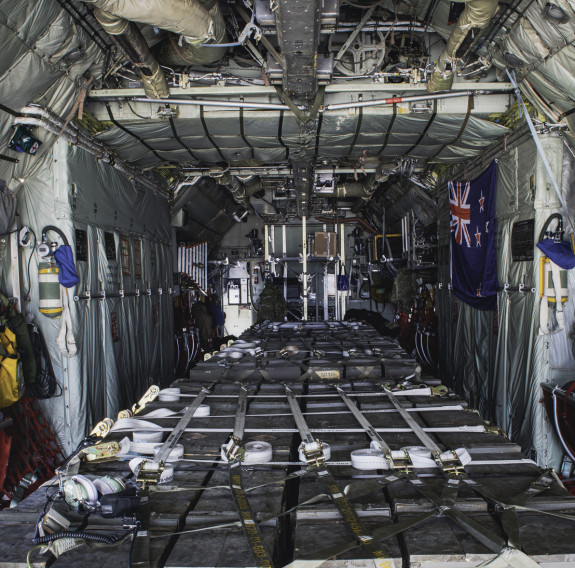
point(325, 441)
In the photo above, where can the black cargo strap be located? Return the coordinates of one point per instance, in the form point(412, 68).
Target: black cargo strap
point(444, 505)
point(316, 460)
point(389, 129)
point(141, 547)
point(455, 475)
point(208, 135)
point(236, 452)
point(258, 548)
point(470, 106)
point(427, 127)
point(378, 535)
point(180, 141)
point(508, 509)
point(243, 134)
point(132, 134)
point(357, 131)
point(349, 516)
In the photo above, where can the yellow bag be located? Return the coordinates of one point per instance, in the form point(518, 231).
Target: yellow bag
point(11, 378)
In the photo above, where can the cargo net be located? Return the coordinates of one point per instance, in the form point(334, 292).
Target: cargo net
point(29, 453)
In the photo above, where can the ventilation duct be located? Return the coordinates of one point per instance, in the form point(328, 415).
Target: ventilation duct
point(357, 189)
point(240, 191)
point(132, 42)
point(176, 52)
point(196, 21)
point(473, 20)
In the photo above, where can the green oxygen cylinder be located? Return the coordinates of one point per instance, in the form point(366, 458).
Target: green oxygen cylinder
point(50, 299)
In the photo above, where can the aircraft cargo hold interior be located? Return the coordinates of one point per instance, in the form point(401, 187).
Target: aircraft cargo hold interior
point(287, 283)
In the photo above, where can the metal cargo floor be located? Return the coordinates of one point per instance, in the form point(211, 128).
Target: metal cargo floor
point(345, 385)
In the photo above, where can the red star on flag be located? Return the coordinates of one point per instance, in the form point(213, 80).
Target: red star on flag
point(481, 203)
point(478, 238)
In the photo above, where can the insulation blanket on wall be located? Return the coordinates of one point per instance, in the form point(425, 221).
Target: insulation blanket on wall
point(119, 235)
point(497, 360)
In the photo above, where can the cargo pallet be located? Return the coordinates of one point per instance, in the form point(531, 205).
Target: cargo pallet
point(460, 495)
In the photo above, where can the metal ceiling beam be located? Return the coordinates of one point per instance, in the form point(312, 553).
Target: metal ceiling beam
point(396, 89)
point(375, 104)
point(275, 171)
point(298, 30)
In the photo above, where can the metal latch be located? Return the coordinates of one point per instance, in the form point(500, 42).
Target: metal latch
point(102, 429)
point(106, 451)
point(149, 396)
point(313, 452)
point(149, 472)
point(451, 465)
point(234, 449)
point(402, 463)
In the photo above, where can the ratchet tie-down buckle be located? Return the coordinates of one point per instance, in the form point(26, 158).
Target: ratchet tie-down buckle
point(451, 465)
point(149, 472)
point(106, 451)
point(403, 463)
point(313, 453)
point(234, 449)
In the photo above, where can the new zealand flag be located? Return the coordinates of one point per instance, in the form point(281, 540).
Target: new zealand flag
point(473, 262)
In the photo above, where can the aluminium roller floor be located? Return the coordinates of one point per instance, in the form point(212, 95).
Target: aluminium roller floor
point(431, 486)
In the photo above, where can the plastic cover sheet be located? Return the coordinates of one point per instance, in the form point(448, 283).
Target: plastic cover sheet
point(499, 365)
point(124, 344)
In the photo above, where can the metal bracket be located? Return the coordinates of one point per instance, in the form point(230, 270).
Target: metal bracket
point(250, 31)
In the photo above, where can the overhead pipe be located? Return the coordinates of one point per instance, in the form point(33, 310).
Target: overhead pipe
point(200, 52)
point(473, 20)
point(203, 102)
point(397, 100)
point(130, 39)
point(241, 192)
point(356, 189)
point(43, 118)
point(274, 106)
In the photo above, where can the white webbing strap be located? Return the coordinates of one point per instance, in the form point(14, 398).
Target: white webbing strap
point(511, 557)
point(544, 307)
point(65, 340)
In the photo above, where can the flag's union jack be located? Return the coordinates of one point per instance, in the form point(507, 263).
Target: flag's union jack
point(460, 211)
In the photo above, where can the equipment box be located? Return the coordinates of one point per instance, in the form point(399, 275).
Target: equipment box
point(325, 244)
